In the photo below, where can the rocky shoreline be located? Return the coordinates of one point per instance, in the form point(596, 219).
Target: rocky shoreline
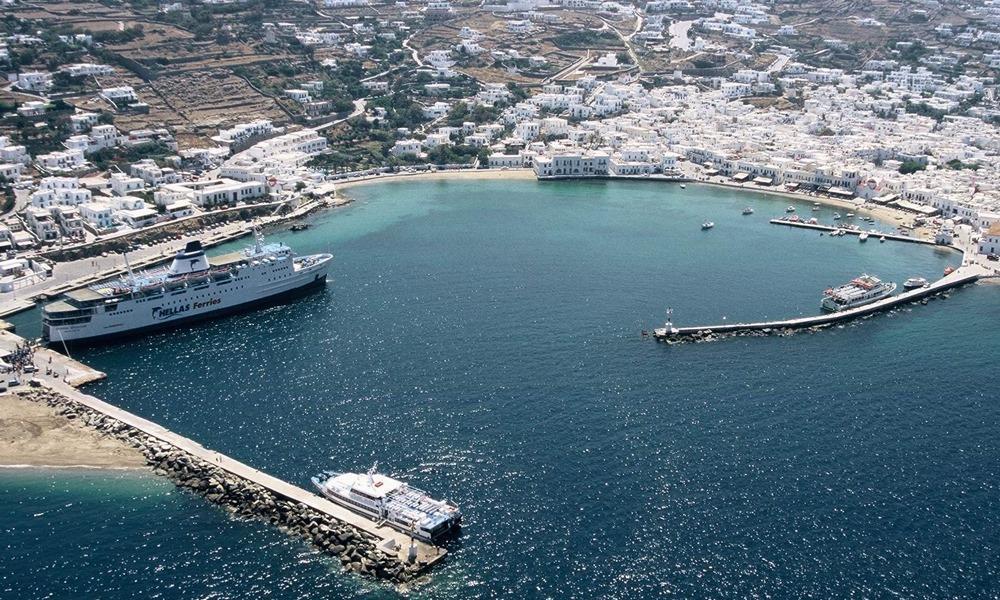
point(357, 550)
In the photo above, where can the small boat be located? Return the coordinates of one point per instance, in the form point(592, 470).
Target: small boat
point(863, 237)
point(836, 216)
point(850, 215)
point(748, 211)
point(790, 209)
point(881, 240)
point(949, 270)
point(299, 227)
point(837, 232)
point(914, 282)
point(815, 205)
point(707, 225)
point(683, 187)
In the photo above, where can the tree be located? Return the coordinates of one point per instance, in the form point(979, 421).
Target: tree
point(8, 195)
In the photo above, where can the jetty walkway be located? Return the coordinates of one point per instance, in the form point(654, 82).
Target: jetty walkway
point(66, 372)
point(849, 231)
point(961, 276)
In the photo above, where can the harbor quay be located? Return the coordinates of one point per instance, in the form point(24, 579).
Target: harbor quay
point(361, 545)
point(962, 276)
point(88, 271)
point(852, 231)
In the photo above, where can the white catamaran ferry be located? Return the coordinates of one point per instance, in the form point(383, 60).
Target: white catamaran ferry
point(391, 502)
point(860, 291)
point(191, 288)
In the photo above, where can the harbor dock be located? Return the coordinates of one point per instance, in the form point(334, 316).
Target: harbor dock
point(363, 545)
point(850, 231)
point(961, 276)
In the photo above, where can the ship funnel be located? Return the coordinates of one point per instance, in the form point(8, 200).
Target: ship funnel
point(189, 260)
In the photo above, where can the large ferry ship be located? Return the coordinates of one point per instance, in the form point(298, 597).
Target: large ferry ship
point(192, 287)
point(860, 291)
point(390, 501)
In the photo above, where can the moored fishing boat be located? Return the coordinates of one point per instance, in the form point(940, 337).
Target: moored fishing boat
point(707, 225)
point(914, 282)
point(748, 211)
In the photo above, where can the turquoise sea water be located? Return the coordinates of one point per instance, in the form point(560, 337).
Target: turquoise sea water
point(481, 339)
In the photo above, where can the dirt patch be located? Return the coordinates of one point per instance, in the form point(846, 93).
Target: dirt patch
point(35, 434)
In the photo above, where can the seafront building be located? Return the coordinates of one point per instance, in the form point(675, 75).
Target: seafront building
point(840, 142)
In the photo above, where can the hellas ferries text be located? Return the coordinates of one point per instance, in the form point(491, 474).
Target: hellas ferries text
point(160, 313)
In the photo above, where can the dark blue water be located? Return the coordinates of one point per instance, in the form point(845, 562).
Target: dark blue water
point(482, 341)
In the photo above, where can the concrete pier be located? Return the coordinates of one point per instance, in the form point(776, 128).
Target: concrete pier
point(60, 374)
point(874, 236)
point(962, 276)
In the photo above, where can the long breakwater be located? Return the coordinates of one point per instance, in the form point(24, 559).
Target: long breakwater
point(362, 546)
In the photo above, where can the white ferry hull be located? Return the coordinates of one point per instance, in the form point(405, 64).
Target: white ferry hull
point(83, 338)
point(252, 287)
point(385, 515)
point(831, 306)
point(374, 516)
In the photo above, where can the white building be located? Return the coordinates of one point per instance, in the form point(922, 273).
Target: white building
point(68, 220)
point(989, 243)
point(139, 218)
point(120, 95)
point(245, 131)
point(209, 193)
point(98, 215)
point(41, 224)
point(12, 153)
point(406, 147)
point(82, 122)
point(69, 160)
point(59, 191)
point(152, 174)
point(122, 185)
point(87, 70)
point(594, 164)
point(34, 81)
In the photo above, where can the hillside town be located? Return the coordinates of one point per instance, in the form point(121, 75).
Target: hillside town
point(731, 92)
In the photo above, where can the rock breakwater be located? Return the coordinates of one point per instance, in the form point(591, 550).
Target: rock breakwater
point(358, 551)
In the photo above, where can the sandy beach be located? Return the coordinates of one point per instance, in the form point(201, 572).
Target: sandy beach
point(33, 434)
point(468, 174)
